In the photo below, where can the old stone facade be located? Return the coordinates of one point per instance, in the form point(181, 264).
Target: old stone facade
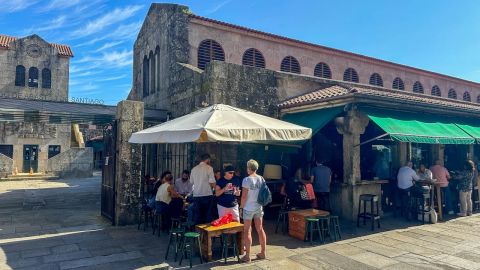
point(183, 61)
point(31, 68)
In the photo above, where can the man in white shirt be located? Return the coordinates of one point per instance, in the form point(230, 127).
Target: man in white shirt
point(203, 181)
point(406, 176)
point(183, 185)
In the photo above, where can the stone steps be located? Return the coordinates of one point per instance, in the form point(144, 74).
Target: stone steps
point(26, 176)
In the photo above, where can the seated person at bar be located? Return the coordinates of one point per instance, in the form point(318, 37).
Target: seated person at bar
point(424, 173)
point(226, 190)
point(183, 185)
point(291, 189)
point(442, 176)
point(405, 177)
point(217, 174)
point(164, 205)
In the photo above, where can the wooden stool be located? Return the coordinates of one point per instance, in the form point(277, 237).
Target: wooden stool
point(145, 214)
point(176, 237)
point(313, 225)
point(157, 223)
point(373, 200)
point(187, 247)
point(282, 219)
point(335, 227)
point(226, 247)
point(325, 227)
point(419, 200)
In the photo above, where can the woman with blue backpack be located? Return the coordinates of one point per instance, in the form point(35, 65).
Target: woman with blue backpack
point(255, 195)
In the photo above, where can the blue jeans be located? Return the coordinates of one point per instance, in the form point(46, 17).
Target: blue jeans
point(447, 195)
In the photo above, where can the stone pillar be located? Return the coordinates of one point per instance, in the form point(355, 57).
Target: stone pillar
point(471, 152)
point(351, 127)
point(128, 162)
point(402, 153)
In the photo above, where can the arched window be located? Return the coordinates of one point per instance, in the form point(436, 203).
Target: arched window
point(436, 91)
point(20, 76)
point(209, 50)
point(478, 99)
point(253, 58)
point(418, 87)
point(322, 70)
point(376, 79)
point(151, 61)
point(398, 84)
point(46, 78)
point(466, 96)
point(350, 75)
point(145, 71)
point(157, 69)
point(33, 77)
point(290, 64)
point(452, 94)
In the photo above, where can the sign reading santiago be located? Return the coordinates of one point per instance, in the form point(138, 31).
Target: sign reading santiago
point(85, 100)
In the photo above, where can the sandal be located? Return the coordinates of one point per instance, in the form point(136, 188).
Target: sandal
point(245, 259)
point(261, 256)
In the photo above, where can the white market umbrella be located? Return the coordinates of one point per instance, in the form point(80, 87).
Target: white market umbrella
point(222, 123)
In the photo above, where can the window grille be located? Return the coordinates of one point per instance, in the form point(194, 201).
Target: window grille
point(436, 91)
point(376, 79)
point(398, 84)
point(290, 64)
point(209, 50)
point(466, 96)
point(33, 77)
point(253, 58)
point(418, 87)
point(452, 94)
point(20, 76)
point(350, 75)
point(46, 78)
point(322, 70)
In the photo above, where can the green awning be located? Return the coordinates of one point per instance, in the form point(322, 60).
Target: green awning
point(315, 119)
point(473, 129)
point(419, 128)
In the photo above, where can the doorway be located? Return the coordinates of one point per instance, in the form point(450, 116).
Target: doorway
point(30, 157)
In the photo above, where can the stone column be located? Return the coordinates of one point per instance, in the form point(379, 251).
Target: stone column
point(351, 127)
point(128, 162)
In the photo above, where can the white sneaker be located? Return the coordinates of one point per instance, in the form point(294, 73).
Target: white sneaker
point(451, 212)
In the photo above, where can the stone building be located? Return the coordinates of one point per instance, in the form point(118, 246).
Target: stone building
point(183, 61)
point(32, 69)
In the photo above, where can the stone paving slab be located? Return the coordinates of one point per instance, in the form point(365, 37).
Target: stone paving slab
point(69, 233)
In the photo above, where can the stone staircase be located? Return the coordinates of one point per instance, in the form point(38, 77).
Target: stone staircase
point(27, 176)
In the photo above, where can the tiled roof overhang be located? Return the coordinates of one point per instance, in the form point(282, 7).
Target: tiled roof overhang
point(63, 50)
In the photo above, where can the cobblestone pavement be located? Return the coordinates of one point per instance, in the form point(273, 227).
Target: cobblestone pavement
point(57, 225)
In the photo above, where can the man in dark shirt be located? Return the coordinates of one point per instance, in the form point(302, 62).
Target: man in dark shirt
point(321, 177)
point(226, 190)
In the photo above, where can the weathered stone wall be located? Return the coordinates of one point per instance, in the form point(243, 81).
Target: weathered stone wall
point(47, 57)
point(42, 134)
point(128, 162)
point(73, 163)
point(6, 166)
point(164, 39)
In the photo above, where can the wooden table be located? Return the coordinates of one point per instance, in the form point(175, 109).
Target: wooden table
point(296, 221)
point(208, 231)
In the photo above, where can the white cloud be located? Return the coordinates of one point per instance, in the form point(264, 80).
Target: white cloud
point(108, 45)
point(117, 15)
point(123, 32)
point(118, 59)
point(7, 6)
point(59, 4)
point(56, 23)
point(218, 7)
point(112, 78)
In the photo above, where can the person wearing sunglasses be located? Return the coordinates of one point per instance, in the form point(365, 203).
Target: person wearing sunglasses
point(227, 189)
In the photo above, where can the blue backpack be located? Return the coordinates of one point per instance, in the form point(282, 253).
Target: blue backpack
point(264, 194)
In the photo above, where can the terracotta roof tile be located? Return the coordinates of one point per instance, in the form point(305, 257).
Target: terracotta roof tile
point(63, 50)
point(339, 91)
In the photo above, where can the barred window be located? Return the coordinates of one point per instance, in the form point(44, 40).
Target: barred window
point(436, 91)
point(350, 75)
point(46, 78)
point(418, 87)
point(466, 96)
point(290, 64)
point(376, 79)
point(253, 58)
point(20, 76)
point(452, 94)
point(322, 70)
point(33, 77)
point(151, 62)
point(398, 84)
point(209, 50)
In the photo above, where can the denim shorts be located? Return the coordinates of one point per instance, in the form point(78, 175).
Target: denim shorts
point(249, 215)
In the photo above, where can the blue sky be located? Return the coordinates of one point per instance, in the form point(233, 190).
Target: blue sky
point(442, 36)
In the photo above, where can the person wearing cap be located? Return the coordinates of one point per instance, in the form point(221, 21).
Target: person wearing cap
point(227, 189)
